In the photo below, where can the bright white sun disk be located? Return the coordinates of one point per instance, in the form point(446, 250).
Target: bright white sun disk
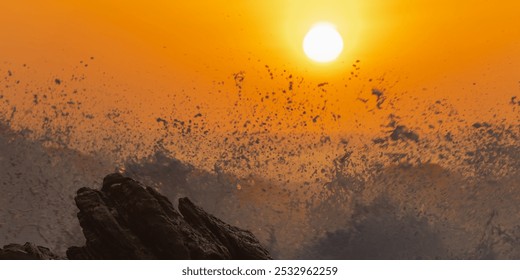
point(323, 43)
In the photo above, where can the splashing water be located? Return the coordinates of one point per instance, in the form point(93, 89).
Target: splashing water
point(285, 159)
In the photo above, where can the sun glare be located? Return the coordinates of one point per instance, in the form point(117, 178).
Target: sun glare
point(323, 43)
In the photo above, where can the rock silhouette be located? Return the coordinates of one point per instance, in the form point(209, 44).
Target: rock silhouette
point(126, 220)
point(28, 251)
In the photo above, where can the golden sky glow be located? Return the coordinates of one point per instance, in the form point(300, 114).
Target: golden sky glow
point(441, 49)
point(418, 116)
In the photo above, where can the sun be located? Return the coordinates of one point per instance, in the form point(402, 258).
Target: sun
point(323, 43)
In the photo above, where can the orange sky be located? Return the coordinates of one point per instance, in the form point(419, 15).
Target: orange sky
point(147, 51)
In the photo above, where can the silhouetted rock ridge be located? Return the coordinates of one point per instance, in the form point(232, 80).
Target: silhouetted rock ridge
point(127, 220)
point(28, 251)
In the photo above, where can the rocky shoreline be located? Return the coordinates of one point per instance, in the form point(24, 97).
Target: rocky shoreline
point(127, 220)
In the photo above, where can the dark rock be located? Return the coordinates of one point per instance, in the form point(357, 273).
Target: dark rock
point(126, 220)
point(240, 244)
point(28, 251)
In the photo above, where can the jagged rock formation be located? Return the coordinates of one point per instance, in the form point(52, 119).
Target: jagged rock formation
point(28, 251)
point(126, 220)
